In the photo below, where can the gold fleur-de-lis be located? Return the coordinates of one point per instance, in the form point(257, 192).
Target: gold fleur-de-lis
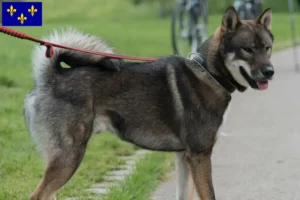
point(22, 18)
point(32, 10)
point(11, 10)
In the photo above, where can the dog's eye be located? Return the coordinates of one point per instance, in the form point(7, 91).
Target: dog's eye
point(267, 48)
point(247, 49)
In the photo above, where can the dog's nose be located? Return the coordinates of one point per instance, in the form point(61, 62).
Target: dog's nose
point(267, 71)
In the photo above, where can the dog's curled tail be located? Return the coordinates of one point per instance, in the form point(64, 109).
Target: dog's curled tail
point(45, 69)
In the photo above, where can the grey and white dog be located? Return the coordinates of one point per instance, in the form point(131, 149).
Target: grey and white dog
point(171, 104)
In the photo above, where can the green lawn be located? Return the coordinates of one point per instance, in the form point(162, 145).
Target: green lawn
point(131, 30)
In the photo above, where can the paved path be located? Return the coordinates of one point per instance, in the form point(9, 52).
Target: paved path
point(258, 157)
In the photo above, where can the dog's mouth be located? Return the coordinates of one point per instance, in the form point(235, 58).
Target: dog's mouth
point(263, 85)
point(255, 84)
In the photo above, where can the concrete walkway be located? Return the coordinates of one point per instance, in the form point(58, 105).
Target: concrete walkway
point(258, 155)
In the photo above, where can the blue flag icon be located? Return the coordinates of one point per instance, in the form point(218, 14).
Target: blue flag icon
point(22, 14)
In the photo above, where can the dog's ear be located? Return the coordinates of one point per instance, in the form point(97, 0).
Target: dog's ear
point(265, 18)
point(230, 20)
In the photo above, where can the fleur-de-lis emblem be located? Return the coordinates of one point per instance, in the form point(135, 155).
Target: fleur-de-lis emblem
point(32, 10)
point(22, 18)
point(11, 10)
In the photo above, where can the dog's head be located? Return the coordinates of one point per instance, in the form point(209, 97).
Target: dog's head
point(246, 46)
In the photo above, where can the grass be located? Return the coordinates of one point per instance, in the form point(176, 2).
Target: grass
point(149, 172)
point(131, 30)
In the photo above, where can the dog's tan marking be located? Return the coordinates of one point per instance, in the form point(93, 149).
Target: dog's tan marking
point(200, 165)
point(57, 173)
point(55, 176)
point(217, 38)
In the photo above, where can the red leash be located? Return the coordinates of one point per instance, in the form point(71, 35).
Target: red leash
point(49, 52)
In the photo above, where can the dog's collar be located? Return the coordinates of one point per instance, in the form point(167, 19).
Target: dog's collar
point(202, 62)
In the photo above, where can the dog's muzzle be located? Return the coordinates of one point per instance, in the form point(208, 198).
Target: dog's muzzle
point(260, 77)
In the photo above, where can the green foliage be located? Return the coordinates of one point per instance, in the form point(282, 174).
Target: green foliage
point(149, 172)
point(219, 6)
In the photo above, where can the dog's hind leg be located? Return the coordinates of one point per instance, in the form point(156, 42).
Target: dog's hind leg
point(57, 173)
point(61, 133)
point(200, 165)
point(184, 181)
point(61, 165)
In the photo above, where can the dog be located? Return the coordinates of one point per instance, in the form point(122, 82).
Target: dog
point(174, 104)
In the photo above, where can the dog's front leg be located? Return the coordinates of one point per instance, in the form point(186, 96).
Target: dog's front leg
point(200, 166)
point(184, 182)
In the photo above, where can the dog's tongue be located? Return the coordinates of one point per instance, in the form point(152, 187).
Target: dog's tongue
point(263, 85)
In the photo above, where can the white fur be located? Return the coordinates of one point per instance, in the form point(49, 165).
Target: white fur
point(183, 177)
point(43, 66)
point(29, 108)
point(234, 67)
point(101, 124)
point(43, 141)
point(220, 131)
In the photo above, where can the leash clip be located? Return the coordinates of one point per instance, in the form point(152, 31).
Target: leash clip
point(199, 59)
